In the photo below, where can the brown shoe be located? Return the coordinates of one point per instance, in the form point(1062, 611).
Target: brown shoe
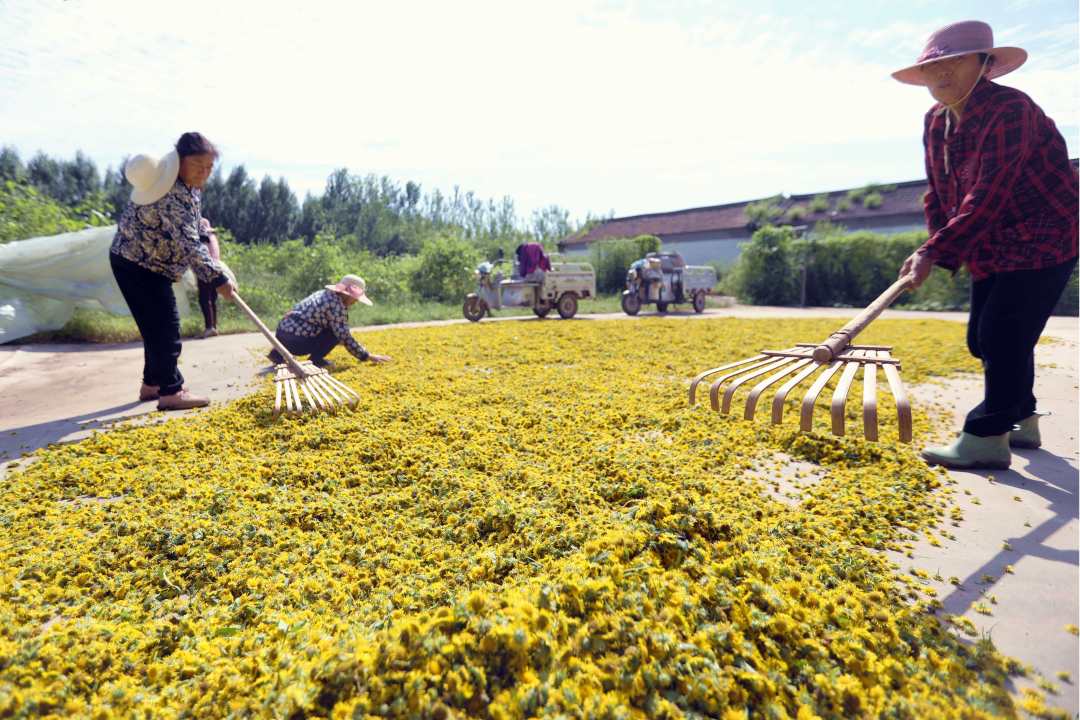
point(182, 400)
point(148, 392)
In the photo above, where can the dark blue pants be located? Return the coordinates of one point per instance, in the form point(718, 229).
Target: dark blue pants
point(317, 347)
point(150, 298)
point(1008, 314)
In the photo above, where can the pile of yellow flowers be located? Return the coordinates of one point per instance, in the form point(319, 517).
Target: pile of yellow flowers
point(520, 519)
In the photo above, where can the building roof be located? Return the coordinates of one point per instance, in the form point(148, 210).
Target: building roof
point(905, 199)
point(900, 200)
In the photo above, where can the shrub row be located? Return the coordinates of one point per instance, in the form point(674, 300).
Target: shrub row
point(846, 270)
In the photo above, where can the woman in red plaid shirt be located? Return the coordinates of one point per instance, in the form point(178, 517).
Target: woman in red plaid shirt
point(1003, 202)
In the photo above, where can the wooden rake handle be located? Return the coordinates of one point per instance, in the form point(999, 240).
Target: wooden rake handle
point(835, 344)
point(289, 359)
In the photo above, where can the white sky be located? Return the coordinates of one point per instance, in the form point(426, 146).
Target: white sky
point(594, 106)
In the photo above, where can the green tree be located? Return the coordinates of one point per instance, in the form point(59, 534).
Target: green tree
point(26, 213)
point(767, 268)
point(551, 223)
point(11, 166)
point(46, 175)
point(445, 268)
point(116, 189)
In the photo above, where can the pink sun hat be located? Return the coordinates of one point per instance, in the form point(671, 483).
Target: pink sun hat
point(963, 38)
point(353, 286)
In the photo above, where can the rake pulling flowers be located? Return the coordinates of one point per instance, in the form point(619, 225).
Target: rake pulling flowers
point(797, 364)
point(304, 386)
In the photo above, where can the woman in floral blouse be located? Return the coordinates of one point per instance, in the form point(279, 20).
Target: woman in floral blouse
point(320, 321)
point(1002, 201)
point(157, 239)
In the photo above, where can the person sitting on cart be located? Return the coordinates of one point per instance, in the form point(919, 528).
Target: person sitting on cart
point(532, 261)
point(320, 321)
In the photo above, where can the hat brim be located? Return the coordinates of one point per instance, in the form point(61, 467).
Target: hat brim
point(352, 291)
point(168, 171)
point(1006, 59)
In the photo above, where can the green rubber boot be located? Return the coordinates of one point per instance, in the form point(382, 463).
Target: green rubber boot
point(972, 451)
point(1026, 434)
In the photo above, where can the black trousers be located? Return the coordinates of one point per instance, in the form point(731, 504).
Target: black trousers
point(317, 347)
point(1008, 313)
point(208, 303)
point(150, 298)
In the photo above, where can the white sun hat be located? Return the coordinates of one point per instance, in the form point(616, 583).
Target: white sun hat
point(152, 177)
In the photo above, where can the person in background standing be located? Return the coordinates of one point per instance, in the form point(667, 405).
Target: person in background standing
point(207, 292)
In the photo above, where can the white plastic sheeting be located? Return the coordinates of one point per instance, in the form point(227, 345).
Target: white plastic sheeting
point(43, 280)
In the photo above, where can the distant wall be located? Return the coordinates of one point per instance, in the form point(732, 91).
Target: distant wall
point(699, 252)
point(698, 248)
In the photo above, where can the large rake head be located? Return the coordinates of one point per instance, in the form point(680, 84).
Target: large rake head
point(303, 386)
point(797, 364)
point(309, 388)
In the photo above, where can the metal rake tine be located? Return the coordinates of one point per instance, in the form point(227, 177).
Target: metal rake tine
point(730, 392)
point(782, 393)
point(839, 397)
point(903, 407)
point(806, 420)
point(697, 380)
point(714, 389)
point(752, 398)
point(869, 398)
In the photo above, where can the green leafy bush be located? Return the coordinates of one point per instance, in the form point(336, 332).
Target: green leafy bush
point(820, 203)
point(856, 195)
point(873, 200)
point(766, 271)
point(612, 258)
point(764, 212)
point(445, 268)
point(27, 213)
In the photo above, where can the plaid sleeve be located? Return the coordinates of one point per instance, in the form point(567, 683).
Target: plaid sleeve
point(340, 326)
point(1004, 147)
point(935, 216)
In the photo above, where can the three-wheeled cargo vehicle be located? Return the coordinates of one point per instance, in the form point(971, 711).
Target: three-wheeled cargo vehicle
point(560, 288)
point(664, 278)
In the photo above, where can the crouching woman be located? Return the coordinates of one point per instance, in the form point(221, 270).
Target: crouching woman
point(319, 322)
